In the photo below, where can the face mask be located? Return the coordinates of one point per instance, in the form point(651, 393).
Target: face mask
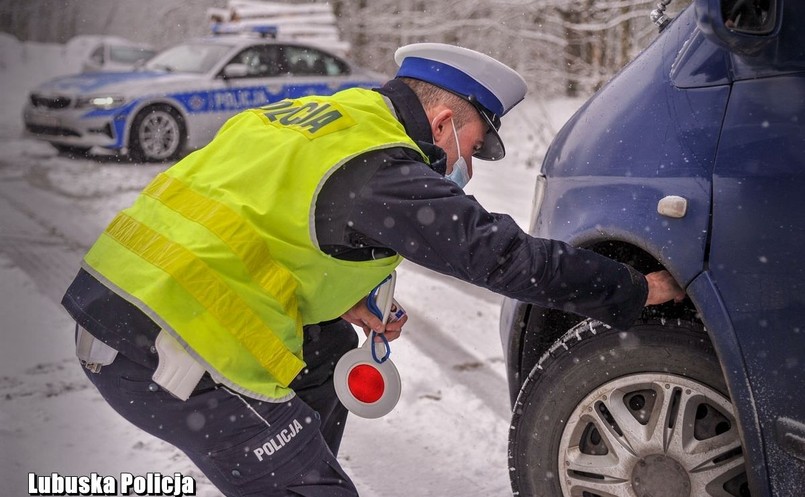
point(460, 173)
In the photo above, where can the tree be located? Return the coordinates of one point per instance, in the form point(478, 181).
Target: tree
point(568, 47)
point(561, 47)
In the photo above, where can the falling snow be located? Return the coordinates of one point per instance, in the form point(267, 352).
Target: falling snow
point(453, 443)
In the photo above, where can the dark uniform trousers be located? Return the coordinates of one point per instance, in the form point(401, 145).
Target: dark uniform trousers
point(244, 446)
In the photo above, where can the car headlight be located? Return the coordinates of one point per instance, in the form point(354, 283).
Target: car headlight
point(100, 102)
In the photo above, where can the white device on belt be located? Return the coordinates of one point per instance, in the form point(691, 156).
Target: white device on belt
point(368, 383)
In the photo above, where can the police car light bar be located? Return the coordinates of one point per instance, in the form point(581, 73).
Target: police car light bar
point(230, 28)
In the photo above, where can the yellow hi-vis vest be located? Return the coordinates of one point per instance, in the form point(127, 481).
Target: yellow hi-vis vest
point(221, 251)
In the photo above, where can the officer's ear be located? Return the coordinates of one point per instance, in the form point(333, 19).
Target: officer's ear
point(440, 123)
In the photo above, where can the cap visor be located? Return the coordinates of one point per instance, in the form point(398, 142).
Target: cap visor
point(492, 149)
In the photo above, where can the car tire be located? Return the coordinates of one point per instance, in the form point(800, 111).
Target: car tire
point(157, 134)
point(71, 151)
point(609, 413)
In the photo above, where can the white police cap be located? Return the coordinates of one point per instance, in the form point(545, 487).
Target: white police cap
point(489, 85)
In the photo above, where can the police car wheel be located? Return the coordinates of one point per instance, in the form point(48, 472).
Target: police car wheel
point(157, 134)
point(608, 413)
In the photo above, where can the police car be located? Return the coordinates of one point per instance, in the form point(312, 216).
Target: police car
point(179, 99)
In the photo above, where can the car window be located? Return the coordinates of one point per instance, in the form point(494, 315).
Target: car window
point(129, 55)
point(261, 61)
point(305, 61)
point(188, 57)
point(748, 16)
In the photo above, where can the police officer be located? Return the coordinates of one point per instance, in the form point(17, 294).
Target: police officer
point(212, 311)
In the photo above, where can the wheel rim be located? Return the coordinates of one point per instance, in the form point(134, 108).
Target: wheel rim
point(159, 135)
point(651, 435)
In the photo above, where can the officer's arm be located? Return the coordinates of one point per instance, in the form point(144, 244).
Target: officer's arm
point(429, 221)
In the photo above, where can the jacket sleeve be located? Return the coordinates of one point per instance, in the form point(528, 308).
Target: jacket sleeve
point(428, 220)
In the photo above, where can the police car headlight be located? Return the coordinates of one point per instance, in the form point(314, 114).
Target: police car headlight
point(100, 102)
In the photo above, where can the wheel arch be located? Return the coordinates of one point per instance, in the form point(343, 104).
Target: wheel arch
point(542, 326)
point(173, 108)
point(143, 104)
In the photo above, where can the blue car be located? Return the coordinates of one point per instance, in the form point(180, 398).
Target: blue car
point(178, 100)
point(691, 160)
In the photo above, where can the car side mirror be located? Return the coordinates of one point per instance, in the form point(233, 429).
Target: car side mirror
point(236, 71)
point(744, 27)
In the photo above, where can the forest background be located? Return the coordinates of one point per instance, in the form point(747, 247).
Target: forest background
point(562, 47)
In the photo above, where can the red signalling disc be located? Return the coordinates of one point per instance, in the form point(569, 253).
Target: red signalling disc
point(366, 383)
point(365, 387)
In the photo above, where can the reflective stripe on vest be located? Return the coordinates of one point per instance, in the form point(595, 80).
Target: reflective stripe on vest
point(206, 287)
point(233, 231)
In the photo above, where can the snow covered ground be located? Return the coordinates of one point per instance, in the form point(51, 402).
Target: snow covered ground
point(446, 437)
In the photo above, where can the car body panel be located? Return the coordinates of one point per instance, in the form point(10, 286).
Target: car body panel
point(663, 142)
point(204, 100)
point(704, 294)
point(755, 256)
point(721, 124)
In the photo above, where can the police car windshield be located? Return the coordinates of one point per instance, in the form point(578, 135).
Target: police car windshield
point(189, 57)
point(129, 55)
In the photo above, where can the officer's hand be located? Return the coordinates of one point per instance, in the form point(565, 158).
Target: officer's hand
point(394, 329)
point(662, 287)
point(361, 316)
